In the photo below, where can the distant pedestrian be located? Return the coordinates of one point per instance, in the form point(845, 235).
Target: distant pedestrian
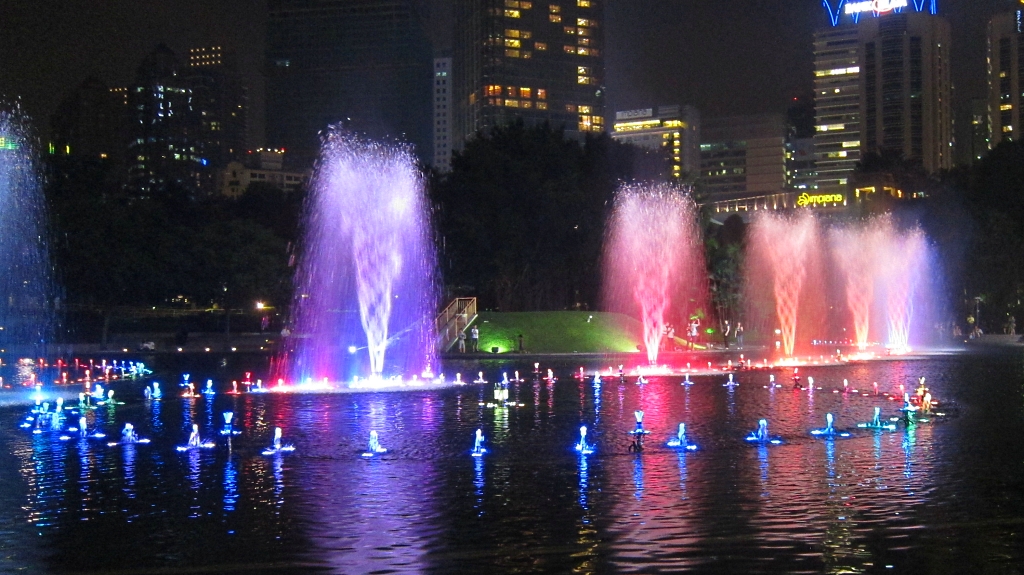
point(521, 349)
point(726, 333)
point(462, 342)
point(474, 339)
point(739, 334)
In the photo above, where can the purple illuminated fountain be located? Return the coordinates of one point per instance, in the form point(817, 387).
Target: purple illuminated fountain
point(366, 282)
point(654, 259)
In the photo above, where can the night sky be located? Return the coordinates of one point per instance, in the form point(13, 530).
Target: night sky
point(724, 56)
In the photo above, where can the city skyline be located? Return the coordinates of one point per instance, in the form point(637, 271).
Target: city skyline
point(689, 58)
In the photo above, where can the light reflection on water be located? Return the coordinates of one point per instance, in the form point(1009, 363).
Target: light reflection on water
point(532, 504)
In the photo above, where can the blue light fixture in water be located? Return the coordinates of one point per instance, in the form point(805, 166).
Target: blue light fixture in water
point(583, 447)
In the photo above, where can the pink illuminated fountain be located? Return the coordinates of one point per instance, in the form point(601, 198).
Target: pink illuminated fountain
point(654, 260)
point(365, 285)
point(779, 255)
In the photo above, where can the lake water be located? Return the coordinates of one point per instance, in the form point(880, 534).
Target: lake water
point(944, 497)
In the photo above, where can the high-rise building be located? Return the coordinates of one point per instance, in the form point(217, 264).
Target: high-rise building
point(365, 63)
point(535, 62)
point(1006, 75)
point(743, 154)
point(164, 146)
point(442, 113)
point(907, 88)
point(882, 86)
point(981, 130)
point(221, 101)
point(674, 129)
point(837, 137)
point(801, 168)
point(89, 123)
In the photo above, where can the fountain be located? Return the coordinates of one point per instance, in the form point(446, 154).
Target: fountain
point(780, 253)
point(829, 432)
point(229, 426)
point(478, 444)
point(760, 435)
point(877, 423)
point(195, 441)
point(367, 270)
point(653, 259)
point(26, 292)
point(277, 447)
point(731, 382)
point(374, 447)
point(583, 447)
point(679, 441)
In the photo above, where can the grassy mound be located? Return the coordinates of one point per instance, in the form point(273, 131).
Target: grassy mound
point(558, 332)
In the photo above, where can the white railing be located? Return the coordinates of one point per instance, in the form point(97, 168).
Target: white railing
point(455, 318)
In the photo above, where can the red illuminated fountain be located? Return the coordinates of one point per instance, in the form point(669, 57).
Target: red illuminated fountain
point(654, 260)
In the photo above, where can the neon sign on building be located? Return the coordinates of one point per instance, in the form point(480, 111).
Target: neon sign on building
point(856, 8)
point(807, 200)
point(879, 6)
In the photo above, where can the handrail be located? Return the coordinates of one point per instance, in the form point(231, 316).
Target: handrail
point(455, 318)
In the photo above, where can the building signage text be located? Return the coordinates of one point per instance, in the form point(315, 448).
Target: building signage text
point(806, 199)
point(630, 114)
point(875, 6)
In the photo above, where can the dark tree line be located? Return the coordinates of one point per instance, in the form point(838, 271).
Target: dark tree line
point(521, 216)
point(111, 250)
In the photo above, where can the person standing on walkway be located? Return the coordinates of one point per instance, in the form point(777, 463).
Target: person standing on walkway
point(474, 339)
point(739, 334)
point(462, 342)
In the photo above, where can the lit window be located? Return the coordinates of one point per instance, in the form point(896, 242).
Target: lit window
point(583, 41)
point(526, 104)
point(511, 53)
point(526, 35)
point(509, 33)
point(511, 13)
point(583, 31)
point(554, 8)
point(542, 94)
point(540, 46)
point(585, 22)
point(1005, 107)
point(512, 91)
point(569, 49)
point(511, 4)
point(582, 70)
point(583, 3)
point(526, 5)
point(527, 54)
point(511, 43)
point(555, 18)
point(583, 79)
point(569, 30)
point(584, 109)
point(585, 51)
point(542, 105)
point(525, 92)
point(511, 103)
point(570, 108)
point(853, 144)
point(493, 90)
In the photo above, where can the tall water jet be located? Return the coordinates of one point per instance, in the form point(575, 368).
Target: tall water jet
point(366, 282)
point(902, 271)
point(26, 292)
point(858, 251)
point(780, 252)
point(654, 259)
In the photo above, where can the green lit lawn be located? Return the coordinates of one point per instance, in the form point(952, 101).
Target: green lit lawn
point(558, 332)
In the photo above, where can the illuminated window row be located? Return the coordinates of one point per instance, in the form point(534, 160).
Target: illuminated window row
point(515, 92)
point(837, 71)
point(523, 34)
point(830, 127)
point(518, 4)
point(582, 51)
point(514, 103)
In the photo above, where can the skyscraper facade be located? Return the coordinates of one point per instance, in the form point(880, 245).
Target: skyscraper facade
point(673, 129)
point(442, 114)
point(882, 86)
point(837, 137)
point(221, 101)
point(365, 63)
point(743, 155)
point(164, 147)
point(1006, 75)
point(535, 62)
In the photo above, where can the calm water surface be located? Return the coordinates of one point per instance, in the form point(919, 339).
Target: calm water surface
point(946, 497)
